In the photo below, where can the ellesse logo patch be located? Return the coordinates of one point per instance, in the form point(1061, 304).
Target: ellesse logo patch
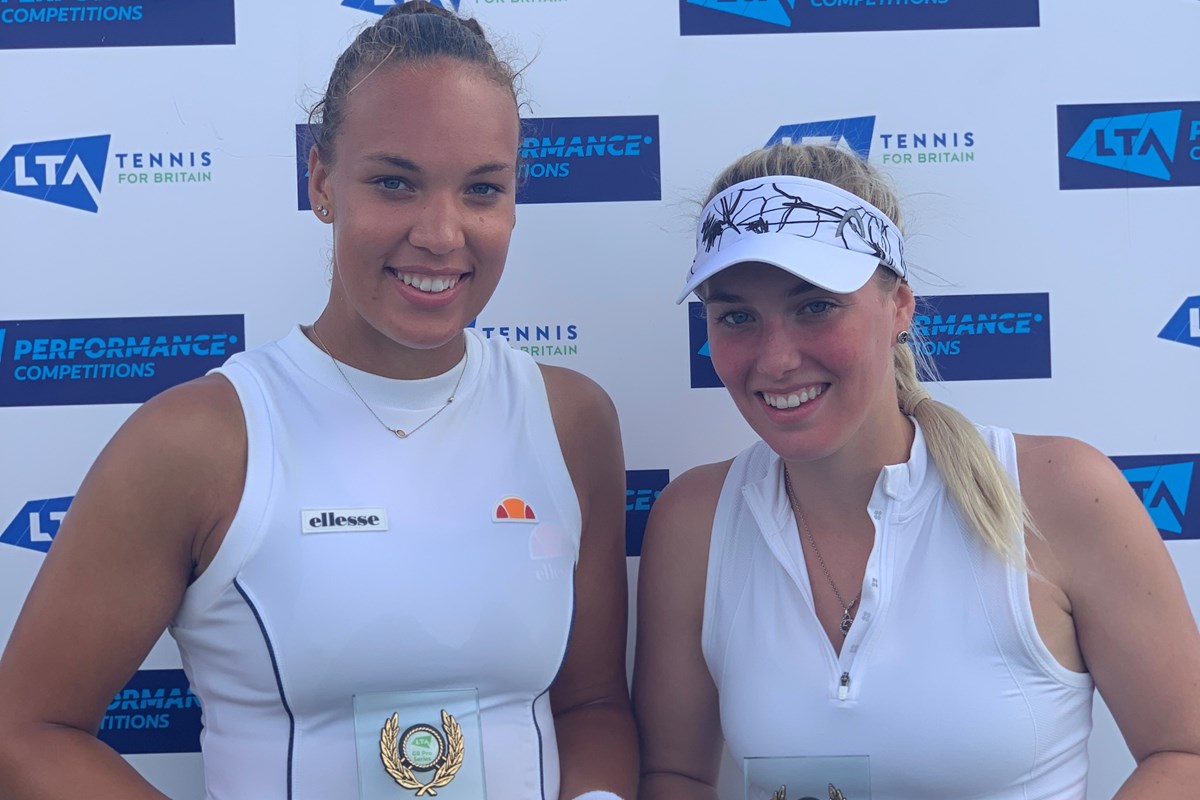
point(513, 509)
point(343, 520)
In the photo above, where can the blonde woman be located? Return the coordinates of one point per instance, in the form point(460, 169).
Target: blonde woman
point(878, 576)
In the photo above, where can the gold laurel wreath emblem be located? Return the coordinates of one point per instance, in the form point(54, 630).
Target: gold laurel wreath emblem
point(389, 738)
point(834, 793)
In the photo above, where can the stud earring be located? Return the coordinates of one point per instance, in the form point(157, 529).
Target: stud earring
point(902, 337)
point(323, 211)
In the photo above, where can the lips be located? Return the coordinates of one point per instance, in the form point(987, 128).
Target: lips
point(794, 399)
point(426, 283)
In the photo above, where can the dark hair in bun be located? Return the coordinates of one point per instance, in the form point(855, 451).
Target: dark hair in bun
point(408, 33)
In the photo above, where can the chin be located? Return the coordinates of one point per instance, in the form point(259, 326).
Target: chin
point(424, 335)
point(799, 446)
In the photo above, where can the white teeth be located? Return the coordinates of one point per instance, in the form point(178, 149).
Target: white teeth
point(793, 400)
point(427, 284)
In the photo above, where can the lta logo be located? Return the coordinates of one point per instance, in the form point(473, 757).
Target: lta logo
point(69, 172)
point(1129, 145)
point(1140, 143)
point(381, 8)
point(772, 12)
point(36, 524)
point(853, 134)
point(716, 17)
point(1167, 487)
point(1184, 325)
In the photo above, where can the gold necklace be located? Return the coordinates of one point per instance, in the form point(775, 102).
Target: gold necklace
point(398, 432)
point(847, 617)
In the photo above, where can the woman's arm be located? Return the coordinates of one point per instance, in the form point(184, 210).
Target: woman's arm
point(593, 722)
point(674, 696)
point(1135, 631)
point(114, 577)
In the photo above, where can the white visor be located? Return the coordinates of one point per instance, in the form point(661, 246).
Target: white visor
point(814, 230)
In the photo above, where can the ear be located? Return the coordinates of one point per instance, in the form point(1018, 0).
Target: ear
point(906, 306)
point(320, 193)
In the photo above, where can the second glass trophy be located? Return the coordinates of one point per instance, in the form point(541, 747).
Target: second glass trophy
point(423, 744)
point(808, 778)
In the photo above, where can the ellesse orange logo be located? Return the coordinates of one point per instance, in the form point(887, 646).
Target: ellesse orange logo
point(513, 509)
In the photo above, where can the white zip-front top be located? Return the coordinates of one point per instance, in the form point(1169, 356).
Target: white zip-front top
point(943, 680)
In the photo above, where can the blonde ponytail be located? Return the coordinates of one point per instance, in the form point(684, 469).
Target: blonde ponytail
point(979, 486)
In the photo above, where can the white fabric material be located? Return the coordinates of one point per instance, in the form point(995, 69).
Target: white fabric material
point(285, 627)
point(814, 230)
point(943, 680)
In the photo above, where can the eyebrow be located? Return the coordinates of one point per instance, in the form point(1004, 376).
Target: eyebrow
point(399, 162)
point(803, 287)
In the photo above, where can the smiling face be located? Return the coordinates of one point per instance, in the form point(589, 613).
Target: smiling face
point(421, 194)
point(810, 370)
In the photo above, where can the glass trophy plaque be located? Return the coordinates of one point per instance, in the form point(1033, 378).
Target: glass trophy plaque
point(808, 778)
point(419, 744)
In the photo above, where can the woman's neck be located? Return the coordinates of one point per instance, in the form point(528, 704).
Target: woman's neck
point(841, 483)
point(361, 346)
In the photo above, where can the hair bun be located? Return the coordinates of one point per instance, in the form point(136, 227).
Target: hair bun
point(413, 7)
point(417, 7)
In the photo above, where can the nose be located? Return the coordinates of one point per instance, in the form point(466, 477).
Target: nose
point(438, 225)
point(779, 352)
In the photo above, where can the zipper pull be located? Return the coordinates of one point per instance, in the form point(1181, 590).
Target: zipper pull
point(844, 686)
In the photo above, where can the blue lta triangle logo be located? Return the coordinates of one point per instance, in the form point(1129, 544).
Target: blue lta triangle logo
point(1184, 325)
point(36, 524)
point(1164, 490)
point(1143, 144)
point(852, 134)
point(382, 8)
point(774, 12)
point(68, 172)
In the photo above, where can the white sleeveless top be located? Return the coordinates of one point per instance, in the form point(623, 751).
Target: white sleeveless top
point(286, 626)
point(943, 680)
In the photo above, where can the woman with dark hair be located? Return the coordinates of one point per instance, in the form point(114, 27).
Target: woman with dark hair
point(380, 505)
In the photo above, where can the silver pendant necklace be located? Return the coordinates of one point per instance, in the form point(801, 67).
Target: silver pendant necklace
point(847, 617)
point(399, 433)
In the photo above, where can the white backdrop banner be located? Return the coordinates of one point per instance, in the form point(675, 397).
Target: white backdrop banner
point(1048, 156)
